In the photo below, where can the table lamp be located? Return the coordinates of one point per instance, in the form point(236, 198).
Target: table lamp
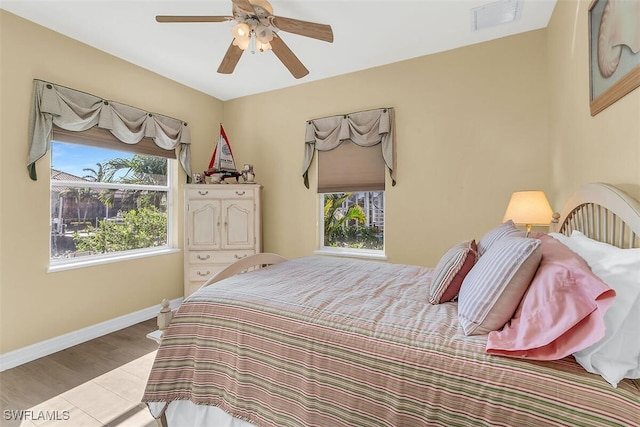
point(529, 208)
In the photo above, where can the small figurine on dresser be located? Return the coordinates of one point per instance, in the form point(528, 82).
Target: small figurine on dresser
point(247, 174)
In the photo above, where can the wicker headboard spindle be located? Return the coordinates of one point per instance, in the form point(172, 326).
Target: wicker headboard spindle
point(604, 213)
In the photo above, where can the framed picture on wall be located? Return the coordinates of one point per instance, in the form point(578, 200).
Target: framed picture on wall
point(614, 51)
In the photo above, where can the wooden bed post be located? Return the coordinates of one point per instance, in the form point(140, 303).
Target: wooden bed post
point(164, 316)
point(251, 262)
point(555, 223)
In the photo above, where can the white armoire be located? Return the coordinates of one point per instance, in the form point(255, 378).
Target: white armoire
point(222, 225)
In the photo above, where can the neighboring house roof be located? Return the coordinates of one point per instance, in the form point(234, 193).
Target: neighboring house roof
point(57, 175)
point(64, 176)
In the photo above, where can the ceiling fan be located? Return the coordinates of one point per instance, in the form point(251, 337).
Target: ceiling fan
point(257, 29)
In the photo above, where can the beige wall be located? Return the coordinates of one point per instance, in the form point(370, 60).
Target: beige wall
point(603, 148)
point(472, 127)
point(36, 305)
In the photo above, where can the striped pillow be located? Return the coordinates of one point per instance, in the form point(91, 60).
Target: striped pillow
point(451, 270)
point(493, 289)
point(506, 229)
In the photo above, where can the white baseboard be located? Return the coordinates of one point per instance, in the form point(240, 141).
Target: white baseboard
point(44, 348)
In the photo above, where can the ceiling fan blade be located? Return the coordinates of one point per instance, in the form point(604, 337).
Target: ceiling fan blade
point(230, 59)
point(304, 28)
point(244, 5)
point(170, 18)
point(288, 58)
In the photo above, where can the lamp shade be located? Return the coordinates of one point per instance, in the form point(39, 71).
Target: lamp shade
point(529, 207)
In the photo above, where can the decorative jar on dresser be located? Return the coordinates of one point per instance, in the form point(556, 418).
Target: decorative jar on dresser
point(222, 224)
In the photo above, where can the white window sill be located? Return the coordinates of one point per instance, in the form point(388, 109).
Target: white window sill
point(352, 253)
point(70, 264)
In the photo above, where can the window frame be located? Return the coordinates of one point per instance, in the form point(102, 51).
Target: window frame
point(372, 254)
point(62, 264)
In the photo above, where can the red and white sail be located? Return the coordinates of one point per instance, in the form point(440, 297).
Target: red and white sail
point(222, 159)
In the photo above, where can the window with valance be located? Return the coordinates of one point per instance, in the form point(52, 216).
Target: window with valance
point(365, 129)
point(117, 207)
point(353, 151)
point(73, 110)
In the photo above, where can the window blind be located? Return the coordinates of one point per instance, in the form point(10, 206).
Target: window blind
point(98, 137)
point(350, 167)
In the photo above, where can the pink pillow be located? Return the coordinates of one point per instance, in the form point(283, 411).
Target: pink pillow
point(451, 271)
point(562, 311)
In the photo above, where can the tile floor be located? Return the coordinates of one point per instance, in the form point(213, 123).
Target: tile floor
point(110, 398)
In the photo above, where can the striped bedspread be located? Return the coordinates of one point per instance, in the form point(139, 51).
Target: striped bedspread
point(329, 342)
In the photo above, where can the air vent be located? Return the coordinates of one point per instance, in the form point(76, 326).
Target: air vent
point(496, 13)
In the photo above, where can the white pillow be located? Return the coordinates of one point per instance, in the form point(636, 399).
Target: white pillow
point(617, 355)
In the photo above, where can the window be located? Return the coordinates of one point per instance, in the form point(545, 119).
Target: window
point(351, 186)
point(353, 222)
point(106, 201)
point(353, 152)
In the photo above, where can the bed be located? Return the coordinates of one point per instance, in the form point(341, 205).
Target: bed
point(321, 341)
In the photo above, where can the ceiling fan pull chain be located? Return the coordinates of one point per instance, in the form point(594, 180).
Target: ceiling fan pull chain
point(252, 42)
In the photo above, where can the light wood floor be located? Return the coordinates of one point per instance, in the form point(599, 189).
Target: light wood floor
point(97, 383)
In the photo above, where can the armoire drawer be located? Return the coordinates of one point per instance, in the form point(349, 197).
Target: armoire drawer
point(217, 257)
point(221, 194)
point(201, 273)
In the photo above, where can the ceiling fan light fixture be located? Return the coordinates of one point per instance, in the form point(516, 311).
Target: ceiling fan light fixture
point(255, 38)
point(242, 43)
point(263, 46)
point(264, 34)
point(241, 31)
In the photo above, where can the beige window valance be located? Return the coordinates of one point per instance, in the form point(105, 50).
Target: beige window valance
point(78, 111)
point(364, 128)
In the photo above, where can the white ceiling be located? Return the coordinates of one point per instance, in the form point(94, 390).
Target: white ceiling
point(366, 34)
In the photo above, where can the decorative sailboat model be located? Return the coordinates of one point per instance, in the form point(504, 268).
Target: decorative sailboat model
point(222, 164)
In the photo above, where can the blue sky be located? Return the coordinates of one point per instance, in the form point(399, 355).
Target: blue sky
point(73, 158)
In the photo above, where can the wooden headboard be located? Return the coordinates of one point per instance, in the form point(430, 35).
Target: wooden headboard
point(604, 213)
